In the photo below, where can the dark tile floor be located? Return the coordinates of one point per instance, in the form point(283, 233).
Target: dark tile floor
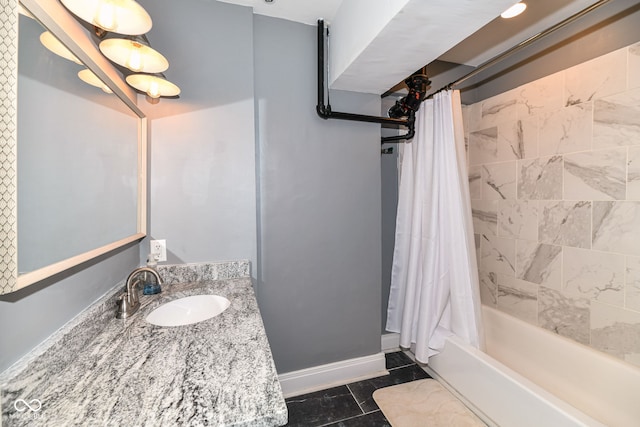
point(352, 405)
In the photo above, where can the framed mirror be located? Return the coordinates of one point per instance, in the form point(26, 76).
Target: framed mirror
point(73, 168)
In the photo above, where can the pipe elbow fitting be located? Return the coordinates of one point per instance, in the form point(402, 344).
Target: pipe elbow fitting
point(323, 111)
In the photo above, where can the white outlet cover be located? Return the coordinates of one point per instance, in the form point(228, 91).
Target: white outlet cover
point(158, 250)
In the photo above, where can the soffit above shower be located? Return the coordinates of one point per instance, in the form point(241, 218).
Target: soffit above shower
point(304, 11)
point(372, 55)
point(376, 44)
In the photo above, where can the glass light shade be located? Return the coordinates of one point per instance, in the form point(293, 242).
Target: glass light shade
point(50, 41)
point(153, 86)
point(87, 76)
point(514, 10)
point(119, 16)
point(134, 55)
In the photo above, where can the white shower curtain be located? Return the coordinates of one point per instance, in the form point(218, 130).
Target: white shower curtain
point(434, 278)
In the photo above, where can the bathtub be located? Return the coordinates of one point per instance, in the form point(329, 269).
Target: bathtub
point(532, 377)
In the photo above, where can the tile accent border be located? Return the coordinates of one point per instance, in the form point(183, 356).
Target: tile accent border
point(8, 144)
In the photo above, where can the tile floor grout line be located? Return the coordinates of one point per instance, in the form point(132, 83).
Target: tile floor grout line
point(354, 398)
point(403, 366)
point(364, 413)
point(350, 418)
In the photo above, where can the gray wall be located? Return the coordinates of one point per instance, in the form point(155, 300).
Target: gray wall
point(389, 205)
point(29, 316)
point(315, 241)
point(319, 273)
point(203, 185)
point(389, 195)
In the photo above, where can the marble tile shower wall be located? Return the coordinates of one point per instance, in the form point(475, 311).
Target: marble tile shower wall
point(554, 173)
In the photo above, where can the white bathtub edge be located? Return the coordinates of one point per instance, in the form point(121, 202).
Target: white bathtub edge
point(487, 384)
point(477, 411)
point(599, 384)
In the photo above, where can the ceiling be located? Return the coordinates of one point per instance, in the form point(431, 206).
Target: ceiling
point(404, 40)
point(456, 31)
point(501, 34)
point(305, 11)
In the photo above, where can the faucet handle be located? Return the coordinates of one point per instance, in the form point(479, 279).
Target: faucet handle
point(126, 306)
point(123, 306)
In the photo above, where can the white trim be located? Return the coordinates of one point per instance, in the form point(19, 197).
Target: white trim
point(64, 265)
point(390, 342)
point(143, 173)
point(332, 374)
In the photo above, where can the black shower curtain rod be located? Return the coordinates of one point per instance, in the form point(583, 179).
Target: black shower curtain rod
point(326, 112)
point(507, 53)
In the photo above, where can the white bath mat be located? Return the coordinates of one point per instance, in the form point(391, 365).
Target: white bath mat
point(423, 403)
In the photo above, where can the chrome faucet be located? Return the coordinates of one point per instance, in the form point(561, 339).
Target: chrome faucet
point(129, 303)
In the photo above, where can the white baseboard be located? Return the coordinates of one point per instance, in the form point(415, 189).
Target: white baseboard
point(333, 374)
point(390, 342)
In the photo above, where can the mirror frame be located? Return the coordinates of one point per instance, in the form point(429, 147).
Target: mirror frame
point(54, 17)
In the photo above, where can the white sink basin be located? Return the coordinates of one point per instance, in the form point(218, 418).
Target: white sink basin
point(188, 310)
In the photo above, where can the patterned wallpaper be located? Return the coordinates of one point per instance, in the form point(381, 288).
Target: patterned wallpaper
point(8, 137)
point(554, 173)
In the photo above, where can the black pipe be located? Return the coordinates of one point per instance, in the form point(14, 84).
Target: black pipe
point(325, 112)
point(410, 133)
point(320, 107)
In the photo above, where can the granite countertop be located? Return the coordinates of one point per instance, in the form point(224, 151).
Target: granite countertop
point(129, 372)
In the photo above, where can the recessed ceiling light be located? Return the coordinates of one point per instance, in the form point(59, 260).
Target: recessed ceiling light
point(514, 10)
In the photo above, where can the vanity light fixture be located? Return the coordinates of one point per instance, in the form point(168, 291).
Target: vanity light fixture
point(514, 10)
point(132, 50)
point(135, 54)
point(119, 16)
point(154, 85)
point(87, 76)
point(50, 41)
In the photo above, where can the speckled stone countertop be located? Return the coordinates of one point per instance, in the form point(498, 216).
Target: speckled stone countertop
point(105, 371)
